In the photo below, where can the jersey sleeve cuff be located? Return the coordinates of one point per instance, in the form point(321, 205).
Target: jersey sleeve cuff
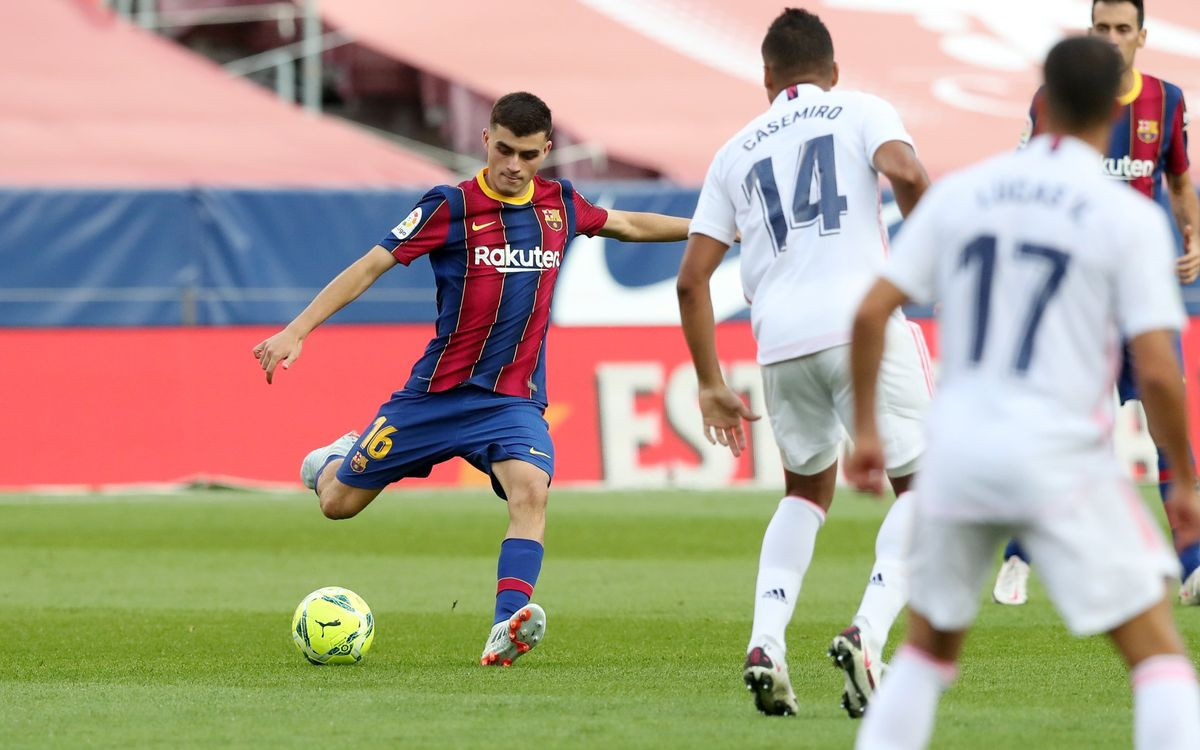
point(873, 148)
point(906, 286)
point(720, 234)
point(1138, 327)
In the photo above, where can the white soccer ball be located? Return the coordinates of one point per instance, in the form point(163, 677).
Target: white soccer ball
point(333, 625)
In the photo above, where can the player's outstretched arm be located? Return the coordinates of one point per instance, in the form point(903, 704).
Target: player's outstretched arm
point(721, 408)
point(897, 161)
point(1162, 392)
point(865, 467)
point(639, 226)
point(284, 347)
point(1186, 206)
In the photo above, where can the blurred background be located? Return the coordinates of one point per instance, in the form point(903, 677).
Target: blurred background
point(178, 178)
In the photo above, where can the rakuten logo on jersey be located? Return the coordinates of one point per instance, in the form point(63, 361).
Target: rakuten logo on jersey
point(509, 259)
point(1128, 169)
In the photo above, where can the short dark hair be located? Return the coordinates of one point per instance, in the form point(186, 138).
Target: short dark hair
point(1083, 78)
point(1141, 9)
point(522, 113)
point(798, 42)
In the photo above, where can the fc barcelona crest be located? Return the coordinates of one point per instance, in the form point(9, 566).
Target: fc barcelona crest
point(553, 219)
point(358, 464)
point(1147, 131)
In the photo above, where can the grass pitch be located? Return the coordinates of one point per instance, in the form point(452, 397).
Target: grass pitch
point(163, 621)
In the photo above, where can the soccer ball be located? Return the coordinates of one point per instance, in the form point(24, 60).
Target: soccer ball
point(333, 625)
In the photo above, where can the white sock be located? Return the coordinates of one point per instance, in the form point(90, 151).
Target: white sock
point(887, 589)
point(902, 713)
point(787, 549)
point(1166, 704)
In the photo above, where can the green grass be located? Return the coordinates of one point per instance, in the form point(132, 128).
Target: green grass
point(151, 621)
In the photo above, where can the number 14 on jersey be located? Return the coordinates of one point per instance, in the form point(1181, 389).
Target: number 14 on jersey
point(826, 208)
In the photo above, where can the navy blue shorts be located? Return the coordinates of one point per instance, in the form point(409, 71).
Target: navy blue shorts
point(1126, 383)
point(415, 431)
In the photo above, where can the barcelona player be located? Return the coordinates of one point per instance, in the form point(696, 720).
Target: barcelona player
point(1147, 146)
point(496, 243)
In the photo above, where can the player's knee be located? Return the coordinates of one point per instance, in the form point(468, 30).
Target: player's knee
point(337, 505)
point(528, 496)
point(335, 510)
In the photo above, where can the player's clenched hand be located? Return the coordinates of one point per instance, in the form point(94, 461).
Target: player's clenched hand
point(723, 412)
point(1183, 513)
point(864, 467)
point(281, 349)
point(1188, 264)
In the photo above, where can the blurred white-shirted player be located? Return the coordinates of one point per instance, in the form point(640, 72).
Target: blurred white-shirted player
point(1040, 266)
point(801, 184)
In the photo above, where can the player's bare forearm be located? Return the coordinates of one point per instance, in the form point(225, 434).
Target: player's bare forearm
point(700, 260)
point(866, 353)
point(344, 289)
point(721, 409)
point(640, 226)
point(284, 347)
point(699, 330)
point(1185, 203)
point(866, 350)
point(1186, 206)
point(865, 465)
point(1161, 388)
point(897, 161)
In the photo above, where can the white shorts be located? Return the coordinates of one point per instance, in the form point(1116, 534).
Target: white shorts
point(1101, 557)
point(809, 400)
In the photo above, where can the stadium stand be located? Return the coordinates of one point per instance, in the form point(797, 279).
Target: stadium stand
point(92, 101)
point(664, 83)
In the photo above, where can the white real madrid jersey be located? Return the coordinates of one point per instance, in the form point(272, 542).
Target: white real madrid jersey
point(799, 183)
point(1040, 265)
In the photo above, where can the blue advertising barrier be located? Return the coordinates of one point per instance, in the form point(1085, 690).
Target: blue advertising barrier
point(202, 256)
point(208, 256)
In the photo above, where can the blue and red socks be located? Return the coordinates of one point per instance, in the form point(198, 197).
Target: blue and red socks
point(516, 574)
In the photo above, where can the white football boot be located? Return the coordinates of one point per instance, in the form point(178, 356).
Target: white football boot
point(766, 675)
point(310, 469)
point(514, 637)
point(1012, 583)
point(1189, 592)
point(862, 670)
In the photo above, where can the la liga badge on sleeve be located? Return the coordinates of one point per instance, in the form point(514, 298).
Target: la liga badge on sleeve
point(404, 228)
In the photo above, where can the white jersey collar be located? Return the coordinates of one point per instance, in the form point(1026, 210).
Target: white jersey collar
point(1068, 145)
point(798, 91)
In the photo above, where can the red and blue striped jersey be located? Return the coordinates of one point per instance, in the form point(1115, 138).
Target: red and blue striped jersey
point(1149, 136)
point(495, 260)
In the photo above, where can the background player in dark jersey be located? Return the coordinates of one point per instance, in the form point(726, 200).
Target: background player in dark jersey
point(495, 242)
point(1148, 146)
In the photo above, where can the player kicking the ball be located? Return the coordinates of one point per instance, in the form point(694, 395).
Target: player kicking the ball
point(801, 184)
point(1040, 266)
point(496, 243)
